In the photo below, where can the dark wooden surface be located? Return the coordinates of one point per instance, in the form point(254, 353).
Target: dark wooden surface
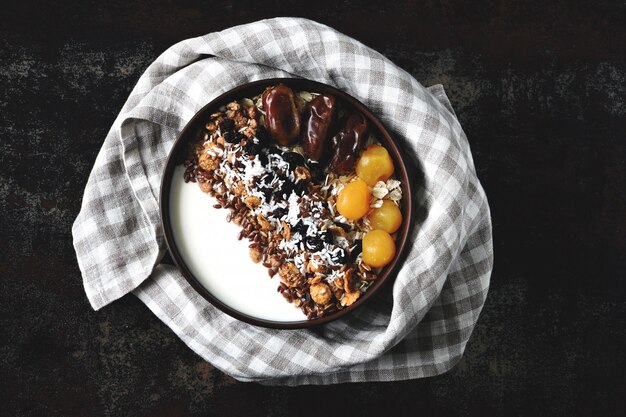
point(538, 86)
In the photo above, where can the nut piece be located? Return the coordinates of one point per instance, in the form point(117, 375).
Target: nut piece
point(316, 265)
point(233, 105)
point(265, 225)
point(350, 297)
point(239, 189)
point(348, 279)
point(286, 230)
point(235, 113)
point(205, 186)
point(290, 275)
point(256, 255)
point(302, 173)
point(320, 293)
point(316, 279)
point(208, 159)
point(252, 201)
point(339, 282)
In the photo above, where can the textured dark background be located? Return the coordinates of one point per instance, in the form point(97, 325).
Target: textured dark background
point(539, 87)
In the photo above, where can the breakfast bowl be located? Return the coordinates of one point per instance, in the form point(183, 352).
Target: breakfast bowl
point(286, 203)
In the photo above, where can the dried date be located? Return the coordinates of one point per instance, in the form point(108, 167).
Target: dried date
point(281, 113)
point(318, 121)
point(347, 143)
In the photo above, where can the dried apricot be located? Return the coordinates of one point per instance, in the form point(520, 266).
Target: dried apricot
point(374, 165)
point(378, 248)
point(387, 217)
point(353, 201)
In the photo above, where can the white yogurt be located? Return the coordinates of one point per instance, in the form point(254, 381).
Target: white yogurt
point(209, 247)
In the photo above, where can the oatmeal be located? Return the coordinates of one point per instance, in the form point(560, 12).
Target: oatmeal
point(311, 188)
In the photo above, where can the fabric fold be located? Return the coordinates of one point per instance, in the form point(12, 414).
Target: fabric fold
point(418, 327)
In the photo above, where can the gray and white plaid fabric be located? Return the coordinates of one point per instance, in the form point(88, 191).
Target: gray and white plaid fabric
point(417, 328)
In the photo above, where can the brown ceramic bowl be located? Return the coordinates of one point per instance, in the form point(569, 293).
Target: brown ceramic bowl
point(249, 90)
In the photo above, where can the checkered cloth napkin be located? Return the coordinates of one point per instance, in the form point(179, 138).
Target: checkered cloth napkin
point(416, 328)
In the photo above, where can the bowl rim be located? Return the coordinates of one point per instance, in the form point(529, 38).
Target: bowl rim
point(189, 133)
